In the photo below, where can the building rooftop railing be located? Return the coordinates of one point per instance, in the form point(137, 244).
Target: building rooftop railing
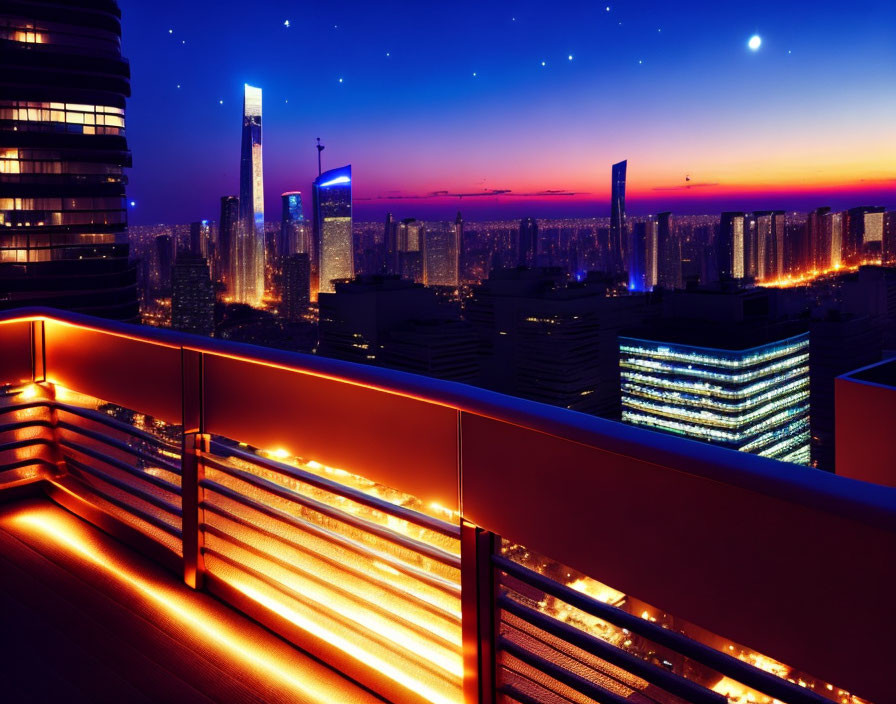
point(442, 543)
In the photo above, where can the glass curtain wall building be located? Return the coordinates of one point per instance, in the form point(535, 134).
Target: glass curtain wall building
point(332, 195)
point(753, 400)
point(617, 217)
point(63, 221)
point(247, 266)
point(292, 226)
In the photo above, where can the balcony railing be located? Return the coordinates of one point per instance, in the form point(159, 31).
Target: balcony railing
point(440, 543)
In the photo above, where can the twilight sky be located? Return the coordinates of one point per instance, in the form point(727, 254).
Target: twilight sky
point(462, 97)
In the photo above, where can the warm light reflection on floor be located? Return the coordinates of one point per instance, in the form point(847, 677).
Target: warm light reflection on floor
point(51, 523)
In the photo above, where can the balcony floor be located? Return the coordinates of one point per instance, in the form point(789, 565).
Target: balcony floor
point(85, 619)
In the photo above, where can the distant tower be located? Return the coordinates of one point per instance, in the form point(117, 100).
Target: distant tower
point(617, 217)
point(461, 254)
point(165, 257)
point(390, 242)
point(528, 242)
point(292, 226)
point(248, 260)
point(332, 196)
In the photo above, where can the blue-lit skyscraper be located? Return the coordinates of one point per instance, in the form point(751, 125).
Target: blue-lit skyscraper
point(247, 266)
point(292, 226)
point(617, 217)
point(332, 195)
point(753, 400)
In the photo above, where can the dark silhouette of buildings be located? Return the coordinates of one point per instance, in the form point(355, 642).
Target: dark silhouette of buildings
point(227, 227)
point(165, 259)
point(63, 220)
point(201, 239)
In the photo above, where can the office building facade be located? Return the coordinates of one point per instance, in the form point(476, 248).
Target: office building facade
point(227, 228)
point(754, 400)
point(332, 196)
point(63, 217)
point(296, 286)
point(292, 226)
point(192, 296)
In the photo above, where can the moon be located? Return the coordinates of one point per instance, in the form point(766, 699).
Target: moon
point(755, 42)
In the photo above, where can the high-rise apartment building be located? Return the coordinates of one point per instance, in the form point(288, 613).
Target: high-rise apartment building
point(296, 286)
point(192, 296)
point(247, 264)
point(862, 234)
point(292, 226)
point(528, 242)
point(730, 246)
point(63, 220)
point(818, 256)
point(332, 196)
point(227, 228)
point(617, 218)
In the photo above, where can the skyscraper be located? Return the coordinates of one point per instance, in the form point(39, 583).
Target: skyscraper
point(668, 248)
point(638, 254)
point(440, 264)
point(888, 246)
point(296, 286)
point(247, 266)
point(292, 226)
point(332, 196)
point(617, 218)
point(63, 221)
point(164, 259)
point(192, 296)
point(461, 258)
point(390, 242)
point(730, 246)
point(227, 227)
point(528, 242)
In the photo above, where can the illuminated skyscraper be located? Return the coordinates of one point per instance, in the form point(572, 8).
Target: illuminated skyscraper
point(332, 195)
point(63, 221)
point(227, 227)
point(247, 264)
point(617, 217)
point(730, 246)
point(528, 242)
point(292, 226)
point(818, 256)
point(752, 399)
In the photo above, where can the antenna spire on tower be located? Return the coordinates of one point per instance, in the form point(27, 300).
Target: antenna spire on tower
point(320, 148)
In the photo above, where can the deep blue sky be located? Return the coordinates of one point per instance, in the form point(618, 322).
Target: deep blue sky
point(806, 119)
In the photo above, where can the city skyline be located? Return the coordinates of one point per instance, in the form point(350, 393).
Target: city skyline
point(793, 138)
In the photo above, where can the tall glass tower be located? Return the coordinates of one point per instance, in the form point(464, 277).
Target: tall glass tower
point(292, 226)
point(247, 266)
point(332, 192)
point(617, 217)
point(63, 221)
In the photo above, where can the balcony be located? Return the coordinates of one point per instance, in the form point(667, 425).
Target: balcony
point(426, 541)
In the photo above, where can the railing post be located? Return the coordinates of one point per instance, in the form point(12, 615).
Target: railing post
point(478, 621)
point(194, 443)
point(38, 356)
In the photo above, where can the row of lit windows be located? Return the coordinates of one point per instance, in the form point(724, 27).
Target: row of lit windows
point(734, 379)
point(56, 33)
point(659, 394)
point(79, 203)
point(710, 418)
point(778, 436)
point(52, 219)
point(50, 254)
point(710, 433)
point(712, 390)
point(787, 448)
point(30, 239)
point(730, 361)
point(89, 119)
